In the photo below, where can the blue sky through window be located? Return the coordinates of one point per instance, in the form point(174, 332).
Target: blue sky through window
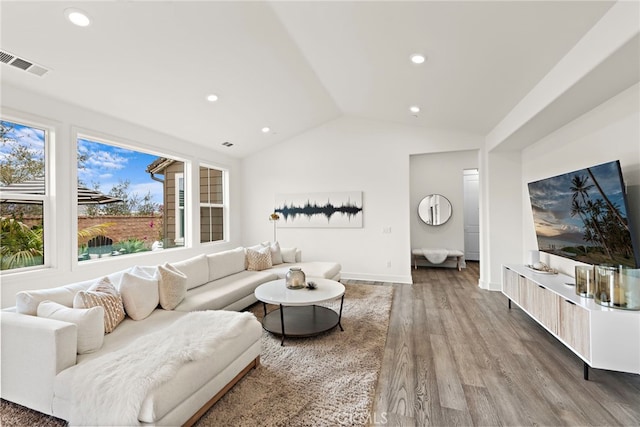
point(107, 165)
point(23, 135)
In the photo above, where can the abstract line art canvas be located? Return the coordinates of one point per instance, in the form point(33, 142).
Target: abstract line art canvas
point(335, 210)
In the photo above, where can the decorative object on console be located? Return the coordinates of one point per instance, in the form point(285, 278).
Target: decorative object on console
point(339, 210)
point(585, 281)
point(295, 278)
point(618, 287)
point(583, 215)
point(435, 209)
point(534, 257)
point(541, 267)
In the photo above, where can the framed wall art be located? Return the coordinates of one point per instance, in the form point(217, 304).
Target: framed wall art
point(335, 210)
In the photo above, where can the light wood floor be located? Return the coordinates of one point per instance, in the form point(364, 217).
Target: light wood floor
point(456, 355)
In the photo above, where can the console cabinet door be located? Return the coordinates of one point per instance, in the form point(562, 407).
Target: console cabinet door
point(574, 328)
point(544, 306)
point(511, 287)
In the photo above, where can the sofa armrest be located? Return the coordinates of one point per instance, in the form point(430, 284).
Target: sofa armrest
point(33, 351)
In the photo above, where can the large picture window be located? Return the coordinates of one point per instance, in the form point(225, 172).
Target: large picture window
point(212, 211)
point(23, 195)
point(128, 201)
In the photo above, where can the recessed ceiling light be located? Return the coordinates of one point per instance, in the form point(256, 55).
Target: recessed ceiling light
point(212, 98)
point(77, 17)
point(266, 129)
point(418, 58)
point(414, 109)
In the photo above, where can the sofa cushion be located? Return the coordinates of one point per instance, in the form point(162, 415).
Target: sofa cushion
point(140, 294)
point(223, 292)
point(90, 323)
point(196, 269)
point(288, 254)
point(102, 293)
point(276, 255)
point(225, 263)
point(258, 260)
point(27, 301)
point(172, 286)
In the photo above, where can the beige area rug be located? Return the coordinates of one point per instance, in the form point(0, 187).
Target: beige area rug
point(327, 380)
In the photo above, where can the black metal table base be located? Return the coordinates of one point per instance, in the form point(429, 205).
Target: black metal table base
point(301, 321)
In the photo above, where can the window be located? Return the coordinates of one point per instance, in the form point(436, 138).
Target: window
point(128, 201)
point(212, 212)
point(179, 209)
point(23, 195)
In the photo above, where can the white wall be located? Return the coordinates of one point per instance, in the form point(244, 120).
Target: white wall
point(64, 118)
point(609, 132)
point(347, 154)
point(500, 215)
point(428, 176)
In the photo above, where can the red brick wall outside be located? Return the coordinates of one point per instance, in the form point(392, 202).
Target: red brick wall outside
point(146, 228)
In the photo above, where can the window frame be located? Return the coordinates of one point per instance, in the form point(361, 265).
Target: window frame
point(180, 225)
point(48, 214)
point(128, 144)
point(224, 205)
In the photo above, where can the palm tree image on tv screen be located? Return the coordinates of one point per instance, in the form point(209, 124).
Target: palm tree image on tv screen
point(583, 215)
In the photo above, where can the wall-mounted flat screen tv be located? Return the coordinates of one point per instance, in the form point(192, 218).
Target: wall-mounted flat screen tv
point(583, 215)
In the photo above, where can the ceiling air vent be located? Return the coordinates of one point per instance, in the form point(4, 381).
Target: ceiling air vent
point(23, 64)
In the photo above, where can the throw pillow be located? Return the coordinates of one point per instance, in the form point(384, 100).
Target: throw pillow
point(103, 294)
point(140, 294)
point(258, 259)
point(196, 269)
point(90, 323)
point(172, 286)
point(254, 248)
point(288, 254)
point(276, 255)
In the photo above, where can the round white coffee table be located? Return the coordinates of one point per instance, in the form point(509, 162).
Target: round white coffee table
point(302, 317)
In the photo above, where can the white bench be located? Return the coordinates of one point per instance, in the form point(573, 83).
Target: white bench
point(437, 256)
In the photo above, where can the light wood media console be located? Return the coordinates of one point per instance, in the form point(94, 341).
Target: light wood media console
point(604, 338)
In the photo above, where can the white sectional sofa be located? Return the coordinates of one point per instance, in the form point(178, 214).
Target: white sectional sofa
point(41, 367)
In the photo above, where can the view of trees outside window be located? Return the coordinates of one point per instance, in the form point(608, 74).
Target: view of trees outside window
point(211, 205)
point(22, 195)
point(135, 206)
point(128, 201)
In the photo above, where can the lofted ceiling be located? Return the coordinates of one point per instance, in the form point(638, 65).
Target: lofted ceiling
point(291, 65)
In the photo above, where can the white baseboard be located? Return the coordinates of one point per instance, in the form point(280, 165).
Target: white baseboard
point(376, 277)
point(490, 286)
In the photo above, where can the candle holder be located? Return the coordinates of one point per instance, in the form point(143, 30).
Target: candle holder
point(618, 287)
point(585, 281)
point(295, 278)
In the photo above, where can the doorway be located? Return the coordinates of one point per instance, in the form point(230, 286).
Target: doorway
point(471, 179)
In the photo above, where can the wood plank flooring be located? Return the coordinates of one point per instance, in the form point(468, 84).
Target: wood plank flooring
point(456, 355)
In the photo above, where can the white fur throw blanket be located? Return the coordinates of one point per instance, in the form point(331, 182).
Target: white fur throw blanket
point(109, 390)
point(435, 256)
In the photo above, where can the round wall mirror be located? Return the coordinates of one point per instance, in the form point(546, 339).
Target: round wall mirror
point(434, 209)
